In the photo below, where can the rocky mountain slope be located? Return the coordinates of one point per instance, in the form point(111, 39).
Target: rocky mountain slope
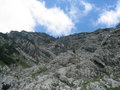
point(37, 61)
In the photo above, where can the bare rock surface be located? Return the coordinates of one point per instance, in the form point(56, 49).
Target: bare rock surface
point(37, 61)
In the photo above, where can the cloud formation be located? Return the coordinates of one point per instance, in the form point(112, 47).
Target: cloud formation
point(25, 14)
point(87, 7)
point(79, 9)
point(15, 15)
point(110, 17)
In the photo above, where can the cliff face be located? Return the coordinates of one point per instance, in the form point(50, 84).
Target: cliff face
point(37, 61)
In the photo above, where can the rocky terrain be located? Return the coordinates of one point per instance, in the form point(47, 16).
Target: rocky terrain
point(37, 61)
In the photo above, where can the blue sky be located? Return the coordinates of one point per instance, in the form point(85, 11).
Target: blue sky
point(58, 17)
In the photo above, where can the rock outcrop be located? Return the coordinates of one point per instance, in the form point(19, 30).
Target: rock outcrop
point(37, 61)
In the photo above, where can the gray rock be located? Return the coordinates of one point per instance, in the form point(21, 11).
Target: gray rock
point(37, 61)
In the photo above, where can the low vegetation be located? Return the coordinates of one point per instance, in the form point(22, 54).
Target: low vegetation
point(41, 70)
point(117, 88)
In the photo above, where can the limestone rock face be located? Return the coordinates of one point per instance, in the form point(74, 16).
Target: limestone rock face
point(37, 61)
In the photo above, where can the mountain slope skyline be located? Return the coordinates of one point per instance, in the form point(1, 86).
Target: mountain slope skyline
point(82, 61)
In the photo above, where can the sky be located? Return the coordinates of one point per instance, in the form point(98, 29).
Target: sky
point(58, 17)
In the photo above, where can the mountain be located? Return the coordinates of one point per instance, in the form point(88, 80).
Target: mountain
point(37, 61)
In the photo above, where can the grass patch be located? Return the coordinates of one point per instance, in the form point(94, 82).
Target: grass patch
point(2, 63)
point(23, 64)
point(117, 88)
point(97, 78)
point(42, 70)
point(117, 73)
point(7, 59)
point(85, 84)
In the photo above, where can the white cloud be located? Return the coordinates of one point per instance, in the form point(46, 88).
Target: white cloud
point(110, 17)
point(14, 15)
point(23, 15)
point(87, 7)
point(74, 13)
point(78, 9)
